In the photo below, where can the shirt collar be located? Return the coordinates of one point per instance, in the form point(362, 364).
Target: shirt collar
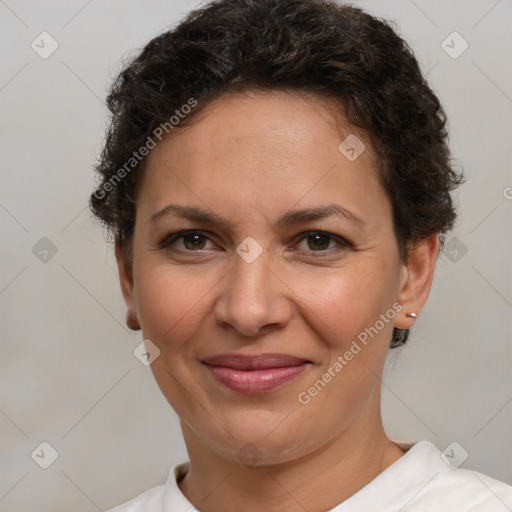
point(173, 500)
point(401, 482)
point(395, 486)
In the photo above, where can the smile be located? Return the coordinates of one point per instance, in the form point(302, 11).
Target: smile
point(255, 374)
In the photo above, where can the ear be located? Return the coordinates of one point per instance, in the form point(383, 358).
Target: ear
point(416, 279)
point(126, 281)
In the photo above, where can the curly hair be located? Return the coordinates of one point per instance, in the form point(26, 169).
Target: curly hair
point(317, 47)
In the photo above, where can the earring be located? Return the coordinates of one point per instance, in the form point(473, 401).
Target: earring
point(412, 315)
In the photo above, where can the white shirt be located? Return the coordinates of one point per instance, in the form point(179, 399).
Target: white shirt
point(420, 481)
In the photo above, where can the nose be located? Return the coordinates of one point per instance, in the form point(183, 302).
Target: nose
point(253, 298)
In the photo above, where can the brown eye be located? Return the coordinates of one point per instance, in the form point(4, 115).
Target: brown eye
point(192, 241)
point(319, 241)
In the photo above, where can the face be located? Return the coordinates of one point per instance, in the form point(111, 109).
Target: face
point(249, 278)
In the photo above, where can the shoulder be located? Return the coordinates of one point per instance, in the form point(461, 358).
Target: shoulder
point(453, 488)
point(162, 498)
point(148, 500)
point(426, 479)
point(470, 489)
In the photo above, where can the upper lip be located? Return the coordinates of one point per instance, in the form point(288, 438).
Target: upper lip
point(254, 362)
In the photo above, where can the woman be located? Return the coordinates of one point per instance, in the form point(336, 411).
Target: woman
point(277, 181)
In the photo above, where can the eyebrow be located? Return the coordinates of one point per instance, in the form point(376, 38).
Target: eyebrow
point(290, 218)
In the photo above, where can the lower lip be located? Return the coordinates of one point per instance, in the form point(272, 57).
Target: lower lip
point(256, 381)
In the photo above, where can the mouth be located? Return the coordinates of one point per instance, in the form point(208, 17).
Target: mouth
point(253, 374)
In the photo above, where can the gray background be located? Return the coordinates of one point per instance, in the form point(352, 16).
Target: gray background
point(68, 375)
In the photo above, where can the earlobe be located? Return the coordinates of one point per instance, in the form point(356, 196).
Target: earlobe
point(126, 281)
point(416, 280)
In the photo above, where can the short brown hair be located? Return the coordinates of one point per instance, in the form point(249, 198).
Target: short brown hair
point(314, 46)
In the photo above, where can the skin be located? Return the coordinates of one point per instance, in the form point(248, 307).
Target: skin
point(250, 158)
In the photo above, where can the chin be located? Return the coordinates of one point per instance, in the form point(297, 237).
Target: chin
point(263, 438)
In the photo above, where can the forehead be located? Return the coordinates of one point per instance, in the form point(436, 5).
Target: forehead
point(277, 124)
point(295, 121)
point(267, 148)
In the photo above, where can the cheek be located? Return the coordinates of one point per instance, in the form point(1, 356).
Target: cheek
point(349, 299)
point(341, 301)
point(171, 301)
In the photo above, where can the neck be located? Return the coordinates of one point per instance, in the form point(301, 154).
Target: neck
point(316, 482)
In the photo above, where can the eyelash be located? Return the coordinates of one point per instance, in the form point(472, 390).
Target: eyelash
point(342, 243)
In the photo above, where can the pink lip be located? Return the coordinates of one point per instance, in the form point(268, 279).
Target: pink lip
point(255, 374)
